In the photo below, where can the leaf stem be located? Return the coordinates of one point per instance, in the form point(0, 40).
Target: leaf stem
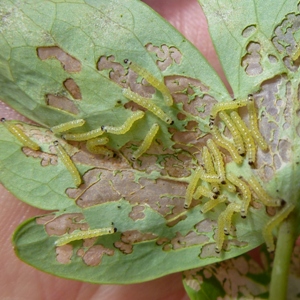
point(281, 264)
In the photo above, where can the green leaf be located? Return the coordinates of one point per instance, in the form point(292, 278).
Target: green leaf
point(267, 70)
point(246, 30)
point(66, 62)
point(35, 177)
point(240, 278)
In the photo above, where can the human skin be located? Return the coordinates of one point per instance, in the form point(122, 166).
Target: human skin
point(19, 281)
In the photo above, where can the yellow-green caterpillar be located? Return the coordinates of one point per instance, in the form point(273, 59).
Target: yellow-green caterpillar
point(253, 124)
point(276, 220)
point(146, 142)
point(228, 105)
point(148, 104)
point(210, 204)
point(246, 193)
point(159, 85)
point(67, 126)
point(191, 188)
point(20, 135)
point(224, 223)
point(218, 160)
point(203, 191)
point(65, 158)
point(95, 146)
point(86, 234)
point(209, 166)
point(261, 193)
point(247, 137)
point(222, 142)
point(136, 115)
point(237, 138)
point(78, 137)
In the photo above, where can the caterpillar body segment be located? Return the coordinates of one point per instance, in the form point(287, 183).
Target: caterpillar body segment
point(246, 193)
point(212, 203)
point(296, 53)
point(127, 124)
point(79, 137)
point(191, 188)
point(210, 178)
point(219, 140)
point(147, 142)
point(275, 221)
point(20, 135)
point(224, 223)
point(102, 150)
point(65, 158)
point(247, 137)
point(95, 146)
point(203, 191)
point(253, 124)
point(86, 234)
point(209, 166)
point(262, 194)
point(228, 213)
point(67, 126)
point(159, 85)
point(220, 235)
point(228, 105)
point(148, 104)
point(229, 187)
point(237, 138)
point(218, 160)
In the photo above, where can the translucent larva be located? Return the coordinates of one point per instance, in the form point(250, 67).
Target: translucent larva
point(229, 187)
point(228, 213)
point(203, 191)
point(247, 137)
point(146, 142)
point(244, 189)
point(209, 166)
point(95, 146)
point(148, 104)
point(20, 135)
point(237, 138)
point(261, 193)
point(78, 137)
point(220, 235)
point(209, 177)
point(159, 85)
point(296, 54)
point(226, 106)
point(87, 234)
point(275, 221)
point(253, 124)
point(67, 126)
point(217, 137)
point(65, 158)
point(224, 223)
point(218, 160)
point(127, 124)
point(210, 204)
point(191, 188)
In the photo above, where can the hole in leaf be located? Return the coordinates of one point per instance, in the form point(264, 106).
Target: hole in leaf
point(93, 256)
point(62, 103)
point(166, 55)
point(251, 61)
point(73, 88)
point(248, 31)
point(69, 63)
